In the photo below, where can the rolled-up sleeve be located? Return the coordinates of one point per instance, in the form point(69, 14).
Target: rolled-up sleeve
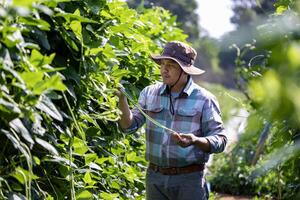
point(138, 117)
point(212, 126)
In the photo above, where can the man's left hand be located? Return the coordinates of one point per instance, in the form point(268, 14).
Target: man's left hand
point(184, 140)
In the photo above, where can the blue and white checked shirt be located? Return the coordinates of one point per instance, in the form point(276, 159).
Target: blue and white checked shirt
point(196, 111)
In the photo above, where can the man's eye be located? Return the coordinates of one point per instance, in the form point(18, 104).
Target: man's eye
point(169, 65)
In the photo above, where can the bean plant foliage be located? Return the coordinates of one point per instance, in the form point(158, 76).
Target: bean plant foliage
point(61, 62)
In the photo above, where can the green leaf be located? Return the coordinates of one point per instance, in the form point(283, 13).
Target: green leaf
point(61, 160)
point(39, 23)
point(29, 45)
point(18, 126)
point(54, 3)
point(45, 104)
point(90, 157)
point(8, 64)
point(92, 131)
point(42, 38)
point(293, 55)
point(68, 38)
point(94, 51)
point(65, 138)
point(13, 140)
point(38, 60)
point(115, 185)
point(22, 175)
point(281, 9)
point(69, 17)
point(122, 28)
point(47, 146)
point(31, 79)
point(95, 166)
point(36, 160)
point(109, 196)
point(16, 143)
point(108, 51)
point(16, 196)
point(95, 5)
point(77, 29)
point(35, 81)
point(84, 195)
point(11, 40)
point(55, 83)
point(88, 179)
point(100, 161)
point(49, 197)
point(119, 73)
point(132, 157)
point(8, 108)
point(130, 174)
point(23, 2)
point(37, 127)
point(79, 146)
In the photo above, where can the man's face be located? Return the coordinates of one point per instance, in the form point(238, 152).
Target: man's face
point(170, 71)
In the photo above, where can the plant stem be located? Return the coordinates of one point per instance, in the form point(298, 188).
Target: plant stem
point(279, 183)
point(73, 196)
point(29, 164)
point(80, 131)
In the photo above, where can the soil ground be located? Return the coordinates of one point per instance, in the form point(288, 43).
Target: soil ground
point(230, 197)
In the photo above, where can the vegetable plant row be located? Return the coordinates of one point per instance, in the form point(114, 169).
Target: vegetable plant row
point(61, 62)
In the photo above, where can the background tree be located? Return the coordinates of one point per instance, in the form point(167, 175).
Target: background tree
point(247, 15)
point(184, 10)
point(247, 12)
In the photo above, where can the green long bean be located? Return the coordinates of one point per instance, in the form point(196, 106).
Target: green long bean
point(143, 113)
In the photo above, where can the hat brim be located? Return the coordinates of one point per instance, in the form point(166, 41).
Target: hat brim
point(189, 69)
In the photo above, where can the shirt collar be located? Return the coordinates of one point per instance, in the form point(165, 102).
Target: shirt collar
point(190, 86)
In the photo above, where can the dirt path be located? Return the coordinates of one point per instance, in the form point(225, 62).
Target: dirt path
point(230, 197)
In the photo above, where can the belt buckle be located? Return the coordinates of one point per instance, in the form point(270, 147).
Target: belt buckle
point(174, 171)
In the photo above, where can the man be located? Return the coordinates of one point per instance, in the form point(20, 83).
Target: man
point(176, 158)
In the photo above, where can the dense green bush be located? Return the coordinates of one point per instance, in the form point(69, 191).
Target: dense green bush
point(60, 64)
point(266, 160)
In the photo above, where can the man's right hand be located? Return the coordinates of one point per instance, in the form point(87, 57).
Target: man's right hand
point(119, 91)
point(119, 94)
point(126, 116)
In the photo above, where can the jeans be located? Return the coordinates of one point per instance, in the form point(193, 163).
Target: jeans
point(189, 186)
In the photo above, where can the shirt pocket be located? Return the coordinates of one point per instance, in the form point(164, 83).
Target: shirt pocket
point(155, 134)
point(187, 121)
point(154, 110)
point(187, 112)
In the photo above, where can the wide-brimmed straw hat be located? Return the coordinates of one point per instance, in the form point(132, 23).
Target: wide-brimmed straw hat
point(181, 53)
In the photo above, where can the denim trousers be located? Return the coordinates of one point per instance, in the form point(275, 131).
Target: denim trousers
point(189, 186)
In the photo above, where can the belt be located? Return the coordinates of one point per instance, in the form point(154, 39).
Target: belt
point(177, 170)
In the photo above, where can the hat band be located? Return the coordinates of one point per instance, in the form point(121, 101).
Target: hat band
point(179, 56)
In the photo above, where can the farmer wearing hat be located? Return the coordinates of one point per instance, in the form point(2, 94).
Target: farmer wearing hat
point(176, 158)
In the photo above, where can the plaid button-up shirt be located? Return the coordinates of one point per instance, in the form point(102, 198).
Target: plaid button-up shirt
point(196, 111)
